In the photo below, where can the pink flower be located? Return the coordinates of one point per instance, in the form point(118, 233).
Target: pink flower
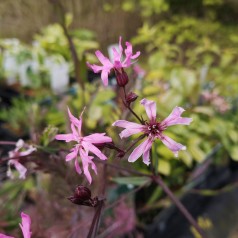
point(5, 236)
point(153, 130)
point(84, 145)
point(21, 149)
point(25, 227)
point(117, 63)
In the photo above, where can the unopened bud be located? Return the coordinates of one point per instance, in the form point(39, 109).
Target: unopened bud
point(121, 77)
point(82, 193)
point(82, 196)
point(131, 97)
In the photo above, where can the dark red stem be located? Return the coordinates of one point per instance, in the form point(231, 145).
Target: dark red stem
point(128, 106)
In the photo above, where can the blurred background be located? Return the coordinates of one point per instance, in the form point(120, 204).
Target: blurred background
point(189, 58)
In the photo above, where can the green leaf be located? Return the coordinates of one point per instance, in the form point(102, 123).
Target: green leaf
point(68, 19)
point(164, 167)
point(233, 151)
point(204, 110)
point(131, 180)
point(155, 195)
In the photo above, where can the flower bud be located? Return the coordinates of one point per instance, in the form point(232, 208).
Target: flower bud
point(82, 193)
point(131, 97)
point(82, 196)
point(121, 77)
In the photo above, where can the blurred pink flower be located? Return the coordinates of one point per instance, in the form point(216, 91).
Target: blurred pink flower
point(219, 102)
point(5, 236)
point(84, 145)
point(153, 130)
point(117, 63)
point(25, 227)
point(21, 149)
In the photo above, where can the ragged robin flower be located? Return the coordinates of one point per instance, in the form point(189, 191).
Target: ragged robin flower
point(153, 130)
point(118, 63)
point(84, 145)
point(22, 149)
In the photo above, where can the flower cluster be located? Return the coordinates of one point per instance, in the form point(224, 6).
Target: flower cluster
point(152, 129)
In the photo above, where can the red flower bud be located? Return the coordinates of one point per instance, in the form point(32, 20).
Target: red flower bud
point(121, 77)
point(82, 193)
point(131, 97)
point(82, 196)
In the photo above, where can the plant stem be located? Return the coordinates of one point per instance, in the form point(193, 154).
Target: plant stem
point(72, 47)
point(98, 213)
point(92, 230)
point(129, 108)
point(157, 179)
point(7, 143)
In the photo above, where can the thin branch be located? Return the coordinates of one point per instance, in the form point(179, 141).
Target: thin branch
point(157, 179)
point(72, 48)
point(7, 143)
point(91, 232)
point(129, 108)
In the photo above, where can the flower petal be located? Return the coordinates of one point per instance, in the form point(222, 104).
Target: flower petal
point(65, 137)
point(146, 154)
point(76, 122)
point(138, 151)
point(85, 161)
point(150, 107)
point(90, 147)
point(137, 54)
point(104, 60)
point(117, 57)
point(128, 132)
point(5, 236)
point(72, 155)
point(120, 46)
point(94, 167)
point(28, 151)
point(104, 76)
point(25, 225)
point(172, 145)
point(19, 144)
point(97, 138)
point(129, 56)
point(77, 167)
point(96, 68)
point(20, 168)
point(174, 118)
point(131, 128)
point(127, 124)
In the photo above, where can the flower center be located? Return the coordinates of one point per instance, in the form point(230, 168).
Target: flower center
point(154, 128)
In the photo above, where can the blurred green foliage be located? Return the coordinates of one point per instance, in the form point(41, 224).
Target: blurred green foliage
point(191, 61)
